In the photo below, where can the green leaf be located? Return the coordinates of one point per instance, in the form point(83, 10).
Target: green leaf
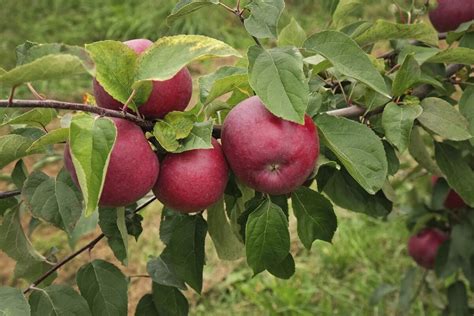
point(455, 55)
point(284, 269)
point(264, 17)
point(397, 121)
point(358, 148)
point(58, 300)
point(57, 201)
point(420, 53)
point(345, 192)
point(278, 79)
point(6, 204)
point(91, 142)
point(45, 68)
point(418, 150)
point(112, 224)
point(169, 300)
point(146, 306)
point(227, 245)
point(170, 54)
point(344, 9)
point(41, 117)
point(458, 300)
point(347, 58)
point(292, 35)
point(104, 287)
point(185, 7)
point(199, 138)
point(409, 75)
point(315, 214)
point(267, 239)
point(13, 302)
point(115, 68)
point(13, 147)
point(174, 127)
point(13, 241)
point(459, 174)
point(225, 79)
point(467, 110)
point(385, 30)
point(407, 290)
point(55, 136)
point(443, 119)
point(19, 174)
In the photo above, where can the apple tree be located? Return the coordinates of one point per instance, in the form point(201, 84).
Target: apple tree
point(299, 124)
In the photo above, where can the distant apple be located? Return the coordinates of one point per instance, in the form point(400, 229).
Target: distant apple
point(133, 167)
point(451, 13)
point(423, 247)
point(166, 96)
point(193, 180)
point(267, 153)
point(453, 200)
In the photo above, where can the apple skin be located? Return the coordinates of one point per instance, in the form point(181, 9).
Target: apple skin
point(166, 96)
point(423, 247)
point(133, 167)
point(267, 153)
point(453, 200)
point(451, 13)
point(193, 180)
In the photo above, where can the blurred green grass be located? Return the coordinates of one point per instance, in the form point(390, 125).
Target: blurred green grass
point(336, 279)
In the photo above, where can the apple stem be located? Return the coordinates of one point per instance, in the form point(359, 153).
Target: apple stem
point(129, 100)
point(34, 92)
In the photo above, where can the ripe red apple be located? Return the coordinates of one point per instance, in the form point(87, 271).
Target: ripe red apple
point(423, 247)
point(193, 180)
point(453, 200)
point(133, 167)
point(166, 96)
point(267, 153)
point(451, 13)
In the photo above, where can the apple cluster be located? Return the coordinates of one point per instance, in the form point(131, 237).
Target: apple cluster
point(266, 153)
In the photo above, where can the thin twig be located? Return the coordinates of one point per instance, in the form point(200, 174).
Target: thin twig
point(238, 13)
point(34, 92)
point(75, 107)
point(89, 246)
point(10, 98)
point(129, 100)
point(7, 194)
point(238, 5)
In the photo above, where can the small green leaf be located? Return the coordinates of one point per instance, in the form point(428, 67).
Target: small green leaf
point(169, 54)
point(358, 148)
point(278, 79)
point(264, 17)
point(13, 302)
point(58, 300)
point(467, 110)
point(418, 150)
point(19, 174)
point(443, 119)
point(199, 138)
point(292, 35)
point(227, 245)
point(112, 223)
point(267, 239)
point(459, 174)
point(385, 30)
point(104, 287)
point(91, 142)
point(455, 55)
point(185, 7)
point(146, 306)
point(407, 290)
point(397, 121)
point(45, 68)
point(13, 147)
point(55, 136)
point(169, 300)
point(343, 10)
point(458, 300)
point(347, 58)
point(315, 214)
point(57, 201)
point(41, 117)
point(225, 79)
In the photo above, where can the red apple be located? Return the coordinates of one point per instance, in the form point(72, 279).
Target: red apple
point(267, 153)
point(193, 180)
point(166, 96)
point(451, 13)
point(133, 167)
point(423, 247)
point(453, 200)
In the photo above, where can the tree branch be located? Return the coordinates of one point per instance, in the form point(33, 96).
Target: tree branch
point(53, 104)
point(89, 246)
point(7, 194)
